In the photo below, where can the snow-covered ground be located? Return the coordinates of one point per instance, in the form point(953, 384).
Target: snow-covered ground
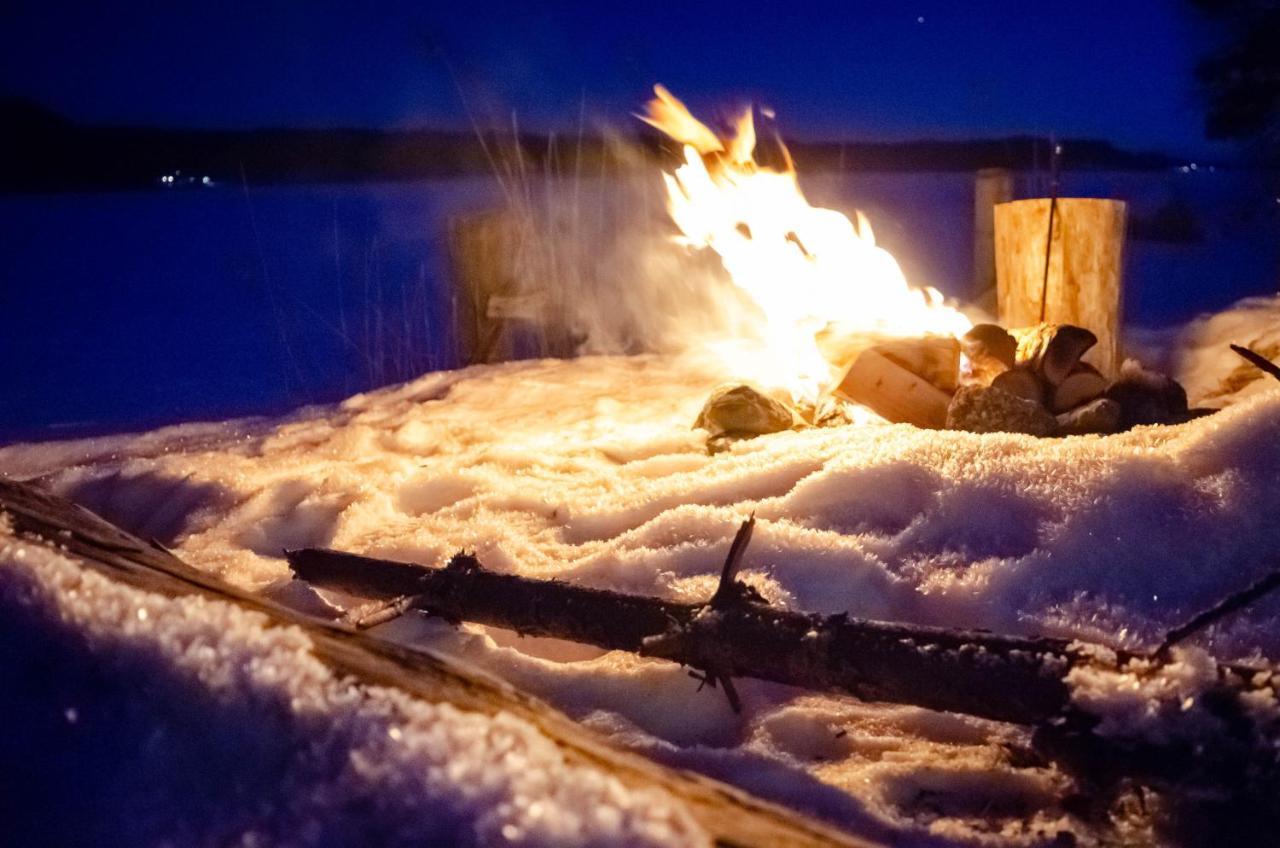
point(588, 471)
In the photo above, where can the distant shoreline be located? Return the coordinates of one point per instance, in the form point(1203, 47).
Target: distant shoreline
point(52, 154)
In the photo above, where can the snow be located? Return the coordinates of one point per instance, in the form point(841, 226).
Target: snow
point(330, 762)
point(588, 471)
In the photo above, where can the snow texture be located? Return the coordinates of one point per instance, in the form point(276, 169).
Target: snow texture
point(588, 471)
point(228, 732)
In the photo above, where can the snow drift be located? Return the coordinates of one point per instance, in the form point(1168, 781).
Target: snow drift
point(588, 471)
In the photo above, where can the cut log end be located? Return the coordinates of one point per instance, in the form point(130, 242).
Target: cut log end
point(890, 390)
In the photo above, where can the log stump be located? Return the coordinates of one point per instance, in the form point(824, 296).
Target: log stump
point(1086, 251)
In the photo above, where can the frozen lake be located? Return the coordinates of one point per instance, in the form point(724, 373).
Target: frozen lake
point(125, 311)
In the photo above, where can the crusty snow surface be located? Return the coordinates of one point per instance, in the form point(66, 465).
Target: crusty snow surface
point(588, 471)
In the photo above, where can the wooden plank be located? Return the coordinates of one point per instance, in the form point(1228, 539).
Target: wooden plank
point(729, 815)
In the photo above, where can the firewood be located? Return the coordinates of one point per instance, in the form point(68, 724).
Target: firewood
point(1053, 350)
point(876, 381)
point(1022, 382)
point(936, 358)
point(988, 351)
point(988, 409)
point(1146, 397)
point(1098, 416)
point(1082, 385)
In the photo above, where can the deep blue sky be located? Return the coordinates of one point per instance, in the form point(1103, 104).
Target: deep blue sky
point(877, 70)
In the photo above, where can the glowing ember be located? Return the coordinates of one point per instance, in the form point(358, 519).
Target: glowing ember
point(806, 269)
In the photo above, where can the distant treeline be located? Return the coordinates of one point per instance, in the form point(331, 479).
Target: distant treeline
point(50, 153)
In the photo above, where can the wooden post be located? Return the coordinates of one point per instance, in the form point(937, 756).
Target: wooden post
point(1084, 284)
point(991, 186)
point(506, 309)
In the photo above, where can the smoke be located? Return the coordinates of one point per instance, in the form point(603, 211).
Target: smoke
point(594, 258)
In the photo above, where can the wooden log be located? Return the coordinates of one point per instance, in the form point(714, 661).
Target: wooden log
point(876, 381)
point(1084, 285)
point(989, 350)
point(1082, 385)
point(729, 815)
point(737, 634)
point(936, 358)
point(991, 187)
point(1023, 383)
point(1098, 416)
point(941, 669)
point(1052, 350)
point(506, 306)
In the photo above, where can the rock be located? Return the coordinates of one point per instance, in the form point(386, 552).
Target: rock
point(1146, 397)
point(986, 409)
point(742, 411)
point(1098, 416)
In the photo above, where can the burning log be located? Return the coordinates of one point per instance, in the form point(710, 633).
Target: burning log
point(737, 634)
point(894, 392)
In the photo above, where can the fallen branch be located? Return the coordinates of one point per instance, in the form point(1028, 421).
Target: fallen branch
point(733, 636)
point(1257, 359)
point(1236, 602)
point(737, 634)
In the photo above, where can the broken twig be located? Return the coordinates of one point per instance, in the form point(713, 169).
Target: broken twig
point(1258, 359)
point(1236, 602)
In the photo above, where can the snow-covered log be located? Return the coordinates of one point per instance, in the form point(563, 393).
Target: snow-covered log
point(1081, 697)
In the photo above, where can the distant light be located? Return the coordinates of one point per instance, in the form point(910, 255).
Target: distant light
point(71, 714)
point(205, 180)
point(920, 19)
point(1193, 166)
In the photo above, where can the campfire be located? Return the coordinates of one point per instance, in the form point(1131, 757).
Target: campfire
point(836, 322)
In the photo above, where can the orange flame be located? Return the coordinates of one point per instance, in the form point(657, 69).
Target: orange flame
point(807, 269)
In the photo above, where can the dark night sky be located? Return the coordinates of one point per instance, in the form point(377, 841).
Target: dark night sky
point(874, 70)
